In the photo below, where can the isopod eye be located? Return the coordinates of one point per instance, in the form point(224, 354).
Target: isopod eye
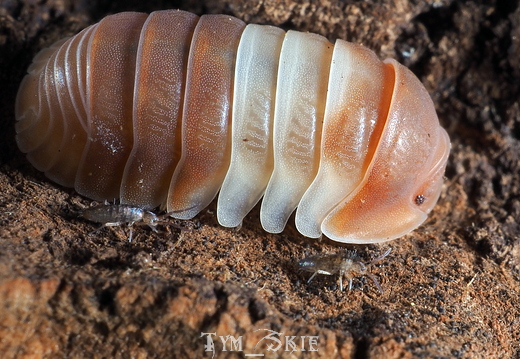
point(429, 190)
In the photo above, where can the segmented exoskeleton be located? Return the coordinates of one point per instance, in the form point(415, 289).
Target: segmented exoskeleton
point(168, 109)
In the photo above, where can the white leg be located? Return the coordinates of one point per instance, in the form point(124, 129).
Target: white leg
point(312, 276)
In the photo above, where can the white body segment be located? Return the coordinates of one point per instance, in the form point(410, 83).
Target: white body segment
point(299, 108)
point(252, 129)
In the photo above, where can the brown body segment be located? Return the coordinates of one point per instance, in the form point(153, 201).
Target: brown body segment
point(110, 88)
point(71, 145)
point(44, 155)
point(32, 109)
point(161, 69)
point(206, 132)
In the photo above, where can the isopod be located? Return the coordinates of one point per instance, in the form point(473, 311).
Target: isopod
point(168, 109)
point(341, 264)
point(112, 215)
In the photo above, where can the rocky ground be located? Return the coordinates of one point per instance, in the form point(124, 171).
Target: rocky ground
point(451, 287)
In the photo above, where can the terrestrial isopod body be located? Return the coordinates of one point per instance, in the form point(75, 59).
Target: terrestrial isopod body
point(168, 109)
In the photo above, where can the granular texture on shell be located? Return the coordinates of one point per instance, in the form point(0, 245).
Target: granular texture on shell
point(168, 109)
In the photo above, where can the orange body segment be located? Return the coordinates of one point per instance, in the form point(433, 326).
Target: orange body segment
point(404, 167)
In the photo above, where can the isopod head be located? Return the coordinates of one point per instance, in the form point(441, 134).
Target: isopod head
point(168, 109)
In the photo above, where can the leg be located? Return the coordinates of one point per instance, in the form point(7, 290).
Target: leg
point(131, 235)
point(377, 259)
point(376, 282)
point(312, 276)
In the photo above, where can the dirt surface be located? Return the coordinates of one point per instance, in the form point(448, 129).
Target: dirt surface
point(451, 287)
